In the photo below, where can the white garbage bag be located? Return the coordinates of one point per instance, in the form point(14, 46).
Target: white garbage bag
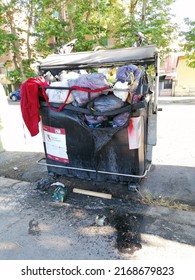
point(120, 90)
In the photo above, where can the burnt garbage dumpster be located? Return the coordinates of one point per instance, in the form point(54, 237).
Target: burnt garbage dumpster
point(99, 114)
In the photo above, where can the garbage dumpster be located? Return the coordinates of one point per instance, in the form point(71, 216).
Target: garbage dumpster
point(105, 137)
point(106, 154)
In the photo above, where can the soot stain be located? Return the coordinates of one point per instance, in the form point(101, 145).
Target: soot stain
point(128, 228)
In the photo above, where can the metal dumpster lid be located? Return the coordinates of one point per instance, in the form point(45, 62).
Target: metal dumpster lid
point(101, 58)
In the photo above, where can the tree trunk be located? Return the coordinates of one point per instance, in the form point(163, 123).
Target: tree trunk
point(133, 4)
point(144, 5)
point(29, 24)
point(16, 45)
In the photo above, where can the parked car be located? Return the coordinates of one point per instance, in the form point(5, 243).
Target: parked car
point(15, 95)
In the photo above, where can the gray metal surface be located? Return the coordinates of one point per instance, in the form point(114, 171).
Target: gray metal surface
point(105, 58)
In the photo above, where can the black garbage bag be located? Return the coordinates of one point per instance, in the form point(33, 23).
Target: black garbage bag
point(108, 102)
point(121, 119)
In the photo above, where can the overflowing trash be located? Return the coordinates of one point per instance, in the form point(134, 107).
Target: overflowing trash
point(59, 95)
point(94, 81)
point(100, 93)
point(120, 82)
point(120, 90)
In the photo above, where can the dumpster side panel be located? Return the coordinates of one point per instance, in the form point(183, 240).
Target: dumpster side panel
point(84, 161)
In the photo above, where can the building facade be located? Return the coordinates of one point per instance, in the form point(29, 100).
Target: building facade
point(185, 79)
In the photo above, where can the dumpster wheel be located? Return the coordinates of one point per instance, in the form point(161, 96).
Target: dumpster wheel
point(133, 187)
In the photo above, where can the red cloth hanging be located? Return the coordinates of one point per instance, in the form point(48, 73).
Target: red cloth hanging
point(29, 104)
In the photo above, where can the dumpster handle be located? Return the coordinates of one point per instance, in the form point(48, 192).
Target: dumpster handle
point(99, 171)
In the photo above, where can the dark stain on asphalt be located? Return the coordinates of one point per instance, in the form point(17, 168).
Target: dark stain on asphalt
point(33, 227)
point(128, 228)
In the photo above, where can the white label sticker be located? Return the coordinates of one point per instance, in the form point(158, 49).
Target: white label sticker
point(55, 141)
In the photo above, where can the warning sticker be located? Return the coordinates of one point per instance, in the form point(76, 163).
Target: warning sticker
point(55, 142)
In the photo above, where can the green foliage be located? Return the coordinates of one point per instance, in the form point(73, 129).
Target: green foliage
point(49, 31)
point(156, 24)
point(15, 76)
point(188, 45)
point(48, 24)
point(6, 42)
point(29, 72)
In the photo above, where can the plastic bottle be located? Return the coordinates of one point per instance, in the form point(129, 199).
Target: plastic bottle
point(59, 194)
